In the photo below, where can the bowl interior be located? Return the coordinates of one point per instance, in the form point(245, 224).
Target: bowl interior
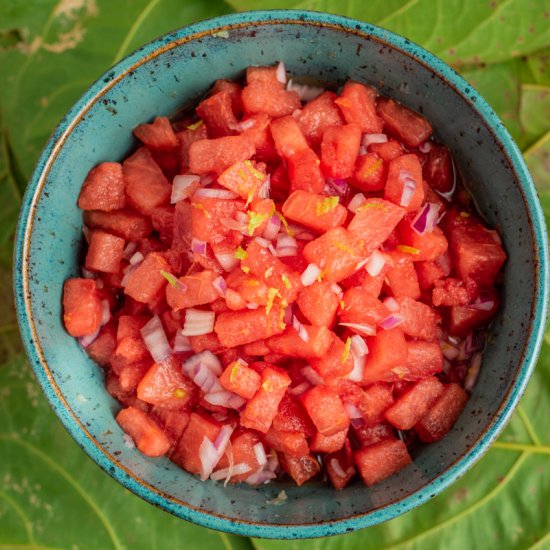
point(157, 81)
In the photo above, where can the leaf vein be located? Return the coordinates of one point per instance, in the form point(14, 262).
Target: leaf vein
point(405, 7)
point(20, 512)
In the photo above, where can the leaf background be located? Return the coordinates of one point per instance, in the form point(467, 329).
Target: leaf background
point(51, 495)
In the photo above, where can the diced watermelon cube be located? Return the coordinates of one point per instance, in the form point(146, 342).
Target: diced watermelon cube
point(240, 379)
point(292, 417)
point(173, 422)
point(419, 319)
point(430, 245)
point(300, 469)
point(401, 276)
point(340, 466)
point(318, 303)
point(403, 171)
point(329, 443)
point(411, 407)
point(464, 319)
point(123, 223)
point(443, 414)
point(362, 308)
point(264, 96)
point(217, 113)
point(163, 218)
point(206, 216)
point(438, 170)
point(186, 453)
point(423, 359)
point(370, 173)
point(262, 408)
point(289, 343)
point(234, 90)
point(339, 149)
point(336, 362)
point(158, 135)
point(366, 434)
point(192, 290)
point(381, 460)
point(186, 137)
point(146, 283)
point(304, 172)
point(103, 188)
point(292, 444)
point(411, 128)
point(203, 342)
point(243, 178)
point(288, 137)
point(387, 351)
point(325, 409)
point(375, 401)
point(104, 252)
point(103, 347)
point(82, 310)
point(315, 211)
point(428, 274)
point(146, 433)
point(389, 150)
point(145, 184)
point(357, 104)
point(454, 292)
point(216, 155)
point(317, 115)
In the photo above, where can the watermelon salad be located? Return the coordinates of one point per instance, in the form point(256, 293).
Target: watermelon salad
point(285, 282)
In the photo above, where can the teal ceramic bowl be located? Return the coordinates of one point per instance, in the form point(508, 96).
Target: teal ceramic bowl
point(178, 68)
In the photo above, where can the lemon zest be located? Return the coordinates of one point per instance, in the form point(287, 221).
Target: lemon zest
point(408, 249)
point(326, 205)
point(347, 347)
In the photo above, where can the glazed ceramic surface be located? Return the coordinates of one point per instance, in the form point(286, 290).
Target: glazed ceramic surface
point(176, 70)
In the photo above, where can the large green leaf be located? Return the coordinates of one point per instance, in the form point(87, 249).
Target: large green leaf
point(53, 496)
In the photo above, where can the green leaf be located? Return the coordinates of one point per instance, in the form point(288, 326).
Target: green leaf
point(52, 495)
point(538, 162)
point(534, 111)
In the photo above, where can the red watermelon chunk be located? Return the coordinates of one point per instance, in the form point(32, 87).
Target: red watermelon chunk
point(82, 310)
point(104, 252)
point(217, 113)
point(410, 127)
point(325, 409)
point(318, 303)
point(158, 136)
point(317, 115)
point(103, 188)
point(357, 104)
point(216, 155)
point(339, 150)
point(381, 460)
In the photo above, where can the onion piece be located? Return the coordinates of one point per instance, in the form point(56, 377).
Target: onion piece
point(220, 286)
point(300, 388)
point(356, 202)
point(336, 186)
point(210, 193)
point(358, 371)
point(246, 124)
point(260, 477)
point(482, 303)
point(207, 358)
point(391, 304)
point(375, 263)
point(181, 343)
point(281, 72)
point(391, 321)
point(335, 465)
point(358, 346)
point(312, 376)
point(264, 191)
point(352, 411)
point(368, 139)
point(85, 341)
point(205, 379)
point(259, 453)
point(300, 329)
point(368, 330)
point(136, 258)
point(310, 274)
point(197, 322)
point(183, 187)
point(225, 399)
point(426, 219)
point(198, 246)
point(286, 246)
point(425, 147)
point(449, 351)
point(227, 261)
point(129, 249)
point(224, 473)
point(87, 274)
point(155, 339)
point(272, 228)
point(409, 188)
point(335, 287)
point(473, 372)
point(305, 93)
point(208, 457)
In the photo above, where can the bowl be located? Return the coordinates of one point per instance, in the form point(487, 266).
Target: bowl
point(176, 69)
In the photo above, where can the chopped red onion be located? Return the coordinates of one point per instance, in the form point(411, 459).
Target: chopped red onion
point(181, 343)
point(87, 274)
point(272, 228)
point(183, 187)
point(260, 477)
point(473, 372)
point(220, 285)
point(444, 262)
point(207, 179)
point(391, 304)
point(356, 202)
point(426, 219)
point(300, 233)
point(136, 258)
point(483, 303)
point(368, 330)
point(369, 139)
point(361, 264)
point(336, 186)
point(129, 249)
point(226, 473)
point(311, 375)
point(210, 193)
point(352, 411)
point(375, 264)
point(310, 274)
point(300, 329)
point(86, 233)
point(305, 93)
point(205, 357)
point(264, 191)
point(425, 147)
point(289, 314)
point(208, 456)
point(252, 305)
point(227, 261)
point(281, 72)
point(85, 341)
point(391, 321)
point(272, 461)
point(449, 351)
point(198, 246)
point(205, 379)
point(300, 388)
point(197, 322)
point(105, 312)
point(259, 452)
point(409, 187)
point(335, 287)
point(358, 371)
point(264, 243)
point(226, 399)
point(362, 151)
point(335, 465)
point(127, 274)
point(359, 346)
point(286, 246)
point(155, 339)
point(246, 124)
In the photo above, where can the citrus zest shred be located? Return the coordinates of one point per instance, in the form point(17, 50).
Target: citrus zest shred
point(285, 224)
point(180, 393)
point(344, 247)
point(272, 293)
point(254, 171)
point(465, 214)
point(245, 268)
point(326, 205)
point(368, 205)
point(200, 206)
point(268, 272)
point(345, 353)
point(234, 371)
point(172, 281)
point(286, 282)
point(408, 249)
point(241, 253)
point(255, 219)
point(195, 126)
